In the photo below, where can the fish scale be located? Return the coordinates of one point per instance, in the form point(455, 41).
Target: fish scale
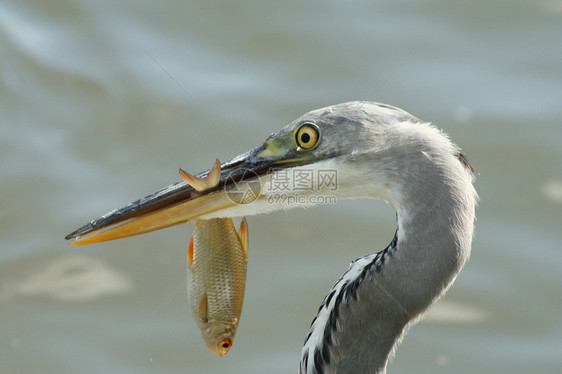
point(217, 280)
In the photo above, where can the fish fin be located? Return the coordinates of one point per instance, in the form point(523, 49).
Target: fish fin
point(203, 309)
point(190, 253)
point(243, 236)
point(201, 184)
point(214, 176)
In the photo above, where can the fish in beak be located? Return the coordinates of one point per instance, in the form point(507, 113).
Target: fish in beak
point(241, 189)
point(217, 263)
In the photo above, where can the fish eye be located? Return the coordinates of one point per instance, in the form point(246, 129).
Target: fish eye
point(225, 344)
point(308, 135)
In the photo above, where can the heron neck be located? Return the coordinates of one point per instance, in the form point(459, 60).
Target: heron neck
point(367, 312)
point(434, 236)
point(432, 243)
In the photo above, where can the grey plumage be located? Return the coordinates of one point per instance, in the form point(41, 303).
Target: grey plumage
point(422, 174)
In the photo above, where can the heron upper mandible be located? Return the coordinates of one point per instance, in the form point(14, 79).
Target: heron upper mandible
point(378, 152)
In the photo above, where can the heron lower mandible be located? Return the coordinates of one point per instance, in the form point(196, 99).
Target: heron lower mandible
point(378, 152)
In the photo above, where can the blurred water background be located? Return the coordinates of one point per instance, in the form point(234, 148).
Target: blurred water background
point(101, 103)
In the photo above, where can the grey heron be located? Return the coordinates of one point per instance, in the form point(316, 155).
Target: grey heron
point(379, 152)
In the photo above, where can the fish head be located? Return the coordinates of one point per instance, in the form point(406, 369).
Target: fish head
point(219, 336)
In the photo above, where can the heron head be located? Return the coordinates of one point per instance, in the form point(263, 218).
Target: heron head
point(317, 158)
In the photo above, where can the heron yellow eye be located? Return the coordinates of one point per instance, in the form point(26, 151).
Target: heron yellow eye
point(225, 344)
point(308, 136)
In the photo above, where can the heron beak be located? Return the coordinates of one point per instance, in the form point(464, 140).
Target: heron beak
point(240, 183)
